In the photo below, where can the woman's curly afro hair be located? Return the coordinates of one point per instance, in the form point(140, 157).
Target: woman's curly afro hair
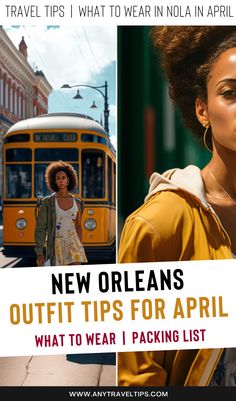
point(188, 55)
point(50, 175)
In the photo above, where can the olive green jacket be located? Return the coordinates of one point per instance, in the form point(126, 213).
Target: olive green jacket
point(45, 227)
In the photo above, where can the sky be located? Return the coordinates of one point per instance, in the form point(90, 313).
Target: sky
point(74, 55)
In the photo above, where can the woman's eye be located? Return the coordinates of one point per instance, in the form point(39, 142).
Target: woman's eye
point(229, 93)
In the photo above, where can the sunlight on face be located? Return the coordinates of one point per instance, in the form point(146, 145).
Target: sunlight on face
point(221, 102)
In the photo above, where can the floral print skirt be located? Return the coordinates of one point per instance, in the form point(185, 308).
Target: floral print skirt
point(69, 251)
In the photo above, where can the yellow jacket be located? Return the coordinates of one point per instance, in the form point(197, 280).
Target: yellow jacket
point(175, 223)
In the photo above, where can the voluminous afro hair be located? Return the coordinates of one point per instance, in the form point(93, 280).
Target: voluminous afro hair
point(50, 175)
point(188, 55)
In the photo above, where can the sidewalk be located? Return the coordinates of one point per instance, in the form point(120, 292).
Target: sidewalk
point(5, 261)
point(54, 370)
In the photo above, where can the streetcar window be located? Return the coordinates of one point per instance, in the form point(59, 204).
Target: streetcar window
point(17, 138)
point(48, 154)
point(93, 138)
point(41, 188)
point(18, 155)
point(114, 186)
point(93, 168)
point(18, 181)
point(109, 180)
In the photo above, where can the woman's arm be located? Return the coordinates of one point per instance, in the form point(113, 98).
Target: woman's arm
point(40, 233)
point(78, 226)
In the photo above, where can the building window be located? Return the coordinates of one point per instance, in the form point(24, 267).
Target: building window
point(11, 99)
point(6, 95)
point(15, 102)
point(19, 105)
point(1, 94)
point(9, 94)
point(23, 108)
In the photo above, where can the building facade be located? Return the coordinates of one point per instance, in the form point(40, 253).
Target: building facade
point(23, 91)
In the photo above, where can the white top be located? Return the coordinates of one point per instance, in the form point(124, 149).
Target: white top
point(65, 220)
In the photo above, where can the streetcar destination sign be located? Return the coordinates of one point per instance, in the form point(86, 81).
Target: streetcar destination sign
point(55, 137)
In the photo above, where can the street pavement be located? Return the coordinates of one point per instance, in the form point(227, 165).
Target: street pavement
point(8, 261)
point(55, 370)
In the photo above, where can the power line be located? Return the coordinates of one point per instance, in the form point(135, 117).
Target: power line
point(82, 53)
point(60, 95)
point(89, 45)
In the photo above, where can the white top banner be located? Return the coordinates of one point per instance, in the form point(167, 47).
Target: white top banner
point(111, 308)
point(122, 12)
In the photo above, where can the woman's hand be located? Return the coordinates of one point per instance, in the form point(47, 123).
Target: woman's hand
point(40, 260)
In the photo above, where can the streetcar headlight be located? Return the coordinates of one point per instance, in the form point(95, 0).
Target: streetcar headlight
point(21, 224)
point(90, 224)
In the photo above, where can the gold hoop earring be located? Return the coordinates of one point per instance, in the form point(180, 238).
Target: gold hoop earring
point(204, 138)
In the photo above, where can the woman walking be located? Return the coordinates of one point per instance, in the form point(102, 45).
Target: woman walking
point(58, 226)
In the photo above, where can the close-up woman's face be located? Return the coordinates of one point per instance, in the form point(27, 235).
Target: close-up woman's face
point(61, 180)
point(221, 102)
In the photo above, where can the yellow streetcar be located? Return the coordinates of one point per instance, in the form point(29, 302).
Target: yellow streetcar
point(29, 146)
